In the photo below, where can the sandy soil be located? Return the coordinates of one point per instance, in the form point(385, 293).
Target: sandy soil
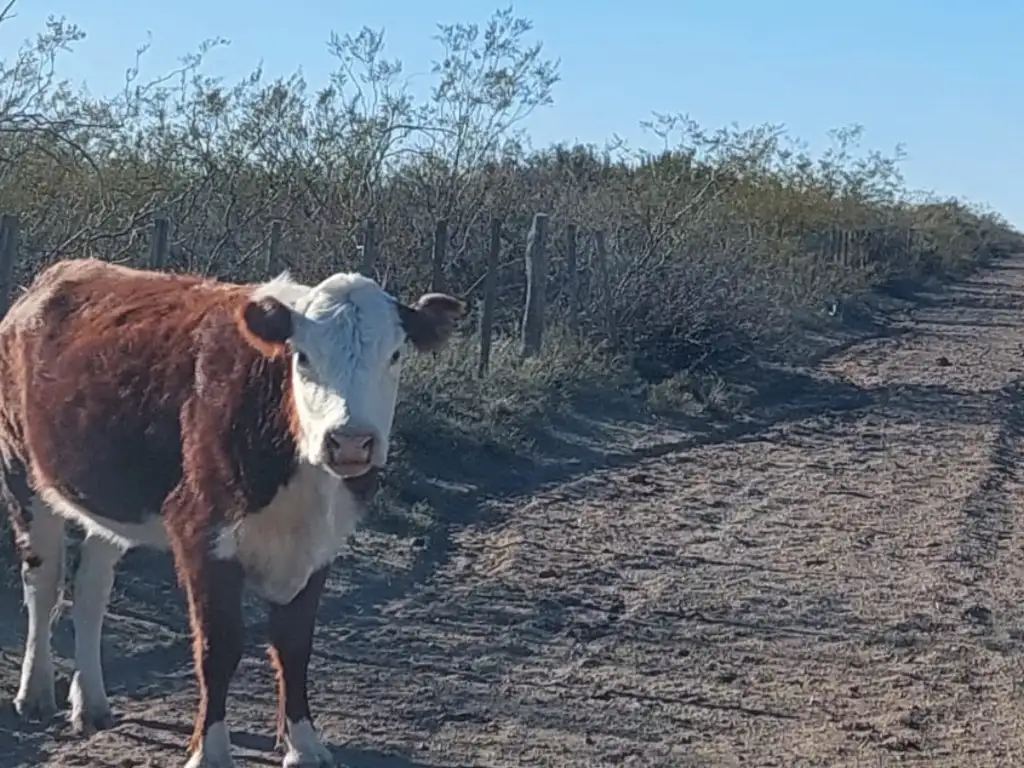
point(837, 584)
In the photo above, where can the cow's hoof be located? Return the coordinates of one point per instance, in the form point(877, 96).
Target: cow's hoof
point(318, 758)
point(215, 751)
point(304, 748)
point(37, 694)
point(89, 714)
point(86, 723)
point(295, 760)
point(200, 760)
point(40, 707)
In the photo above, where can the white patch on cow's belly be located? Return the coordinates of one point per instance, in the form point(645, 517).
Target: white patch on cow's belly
point(299, 532)
point(148, 533)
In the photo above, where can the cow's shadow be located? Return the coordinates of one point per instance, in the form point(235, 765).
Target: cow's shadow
point(261, 750)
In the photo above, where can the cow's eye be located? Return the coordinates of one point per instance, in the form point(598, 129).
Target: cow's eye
point(396, 356)
point(301, 359)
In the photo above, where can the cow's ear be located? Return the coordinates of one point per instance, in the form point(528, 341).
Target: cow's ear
point(429, 323)
point(267, 324)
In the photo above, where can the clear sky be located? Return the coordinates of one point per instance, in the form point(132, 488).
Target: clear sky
point(945, 78)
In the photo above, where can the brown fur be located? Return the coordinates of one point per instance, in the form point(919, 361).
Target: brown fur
point(431, 320)
point(107, 357)
point(180, 416)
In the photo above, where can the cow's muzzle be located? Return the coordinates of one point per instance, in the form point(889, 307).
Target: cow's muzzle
point(348, 452)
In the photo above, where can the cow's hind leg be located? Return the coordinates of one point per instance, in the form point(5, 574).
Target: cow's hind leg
point(291, 643)
point(90, 710)
point(42, 577)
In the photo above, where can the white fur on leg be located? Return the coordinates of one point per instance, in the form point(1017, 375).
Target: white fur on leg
point(304, 747)
point(41, 587)
point(215, 751)
point(90, 710)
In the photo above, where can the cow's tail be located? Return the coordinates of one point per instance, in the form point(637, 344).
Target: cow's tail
point(16, 495)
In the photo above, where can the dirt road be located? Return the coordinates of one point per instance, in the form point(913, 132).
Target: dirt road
point(839, 586)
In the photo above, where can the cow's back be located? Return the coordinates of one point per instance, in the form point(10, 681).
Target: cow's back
point(96, 361)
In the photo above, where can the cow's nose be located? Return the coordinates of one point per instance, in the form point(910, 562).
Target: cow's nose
point(349, 451)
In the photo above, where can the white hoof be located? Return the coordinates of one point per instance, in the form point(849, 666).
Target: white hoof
point(37, 695)
point(304, 748)
point(215, 751)
point(89, 712)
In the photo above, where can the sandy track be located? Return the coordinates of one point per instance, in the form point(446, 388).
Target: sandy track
point(838, 586)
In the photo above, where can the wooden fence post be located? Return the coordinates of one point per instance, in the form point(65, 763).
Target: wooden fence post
point(9, 242)
point(536, 284)
point(158, 243)
point(571, 279)
point(438, 254)
point(273, 250)
point(490, 296)
point(606, 290)
point(369, 260)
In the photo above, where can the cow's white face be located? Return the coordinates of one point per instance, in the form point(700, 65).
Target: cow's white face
point(346, 339)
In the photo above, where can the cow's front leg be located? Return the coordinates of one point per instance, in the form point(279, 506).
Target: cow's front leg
point(291, 643)
point(214, 589)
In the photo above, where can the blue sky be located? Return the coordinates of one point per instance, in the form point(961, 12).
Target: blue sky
point(946, 79)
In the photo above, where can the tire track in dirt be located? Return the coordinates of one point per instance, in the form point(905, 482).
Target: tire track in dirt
point(985, 568)
point(988, 513)
point(969, 622)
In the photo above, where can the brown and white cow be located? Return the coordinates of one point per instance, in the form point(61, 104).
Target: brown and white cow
point(240, 426)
